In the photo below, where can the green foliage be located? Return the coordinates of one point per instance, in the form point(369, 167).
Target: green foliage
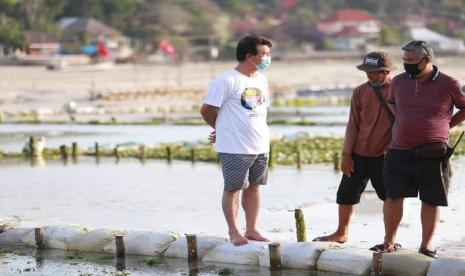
point(150, 21)
point(11, 34)
point(390, 35)
point(226, 271)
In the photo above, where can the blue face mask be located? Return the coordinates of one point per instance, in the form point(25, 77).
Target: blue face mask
point(265, 62)
point(377, 84)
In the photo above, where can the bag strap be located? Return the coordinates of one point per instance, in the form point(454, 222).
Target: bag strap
point(383, 103)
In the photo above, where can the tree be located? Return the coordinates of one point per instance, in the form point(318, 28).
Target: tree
point(389, 35)
point(11, 34)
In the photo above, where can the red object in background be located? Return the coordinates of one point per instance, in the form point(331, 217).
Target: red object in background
point(167, 47)
point(102, 49)
point(287, 4)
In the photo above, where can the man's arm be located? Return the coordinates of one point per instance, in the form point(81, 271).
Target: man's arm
point(458, 117)
point(209, 113)
point(347, 164)
point(393, 108)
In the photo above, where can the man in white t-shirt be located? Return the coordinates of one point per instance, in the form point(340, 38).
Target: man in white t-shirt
point(236, 107)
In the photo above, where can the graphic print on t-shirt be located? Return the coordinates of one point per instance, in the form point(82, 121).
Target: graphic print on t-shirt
point(251, 98)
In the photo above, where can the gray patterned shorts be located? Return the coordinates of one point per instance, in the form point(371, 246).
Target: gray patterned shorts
point(240, 170)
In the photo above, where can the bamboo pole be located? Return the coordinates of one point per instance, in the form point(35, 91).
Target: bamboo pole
point(63, 152)
point(142, 153)
point(97, 152)
point(336, 161)
point(117, 153)
point(299, 157)
point(300, 225)
point(193, 155)
point(275, 255)
point(376, 263)
point(120, 248)
point(39, 237)
point(271, 157)
point(169, 156)
point(74, 151)
point(31, 146)
point(191, 247)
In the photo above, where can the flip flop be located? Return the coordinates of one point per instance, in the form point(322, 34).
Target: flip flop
point(429, 253)
point(382, 247)
point(325, 239)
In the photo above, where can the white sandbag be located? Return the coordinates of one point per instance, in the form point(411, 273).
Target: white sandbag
point(301, 255)
point(93, 241)
point(178, 249)
point(55, 236)
point(229, 253)
point(348, 260)
point(144, 243)
point(13, 236)
point(446, 266)
point(406, 263)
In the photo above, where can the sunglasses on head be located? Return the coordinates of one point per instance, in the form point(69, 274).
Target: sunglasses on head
point(423, 45)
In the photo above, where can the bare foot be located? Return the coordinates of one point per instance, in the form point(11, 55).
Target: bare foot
point(255, 236)
point(335, 237)
point(237, 239)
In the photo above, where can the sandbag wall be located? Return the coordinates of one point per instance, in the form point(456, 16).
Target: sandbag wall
point(321, 256)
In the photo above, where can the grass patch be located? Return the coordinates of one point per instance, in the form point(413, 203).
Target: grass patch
point(225, 271)
point(156, 262)
point(75, 256)
point(19, 253)
point(107, 257)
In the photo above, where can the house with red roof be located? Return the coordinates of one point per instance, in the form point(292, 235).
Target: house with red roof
point(349, 29)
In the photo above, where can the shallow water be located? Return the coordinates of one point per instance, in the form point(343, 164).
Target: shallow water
point(185, 198)
point(14, 136)
point(30, 261)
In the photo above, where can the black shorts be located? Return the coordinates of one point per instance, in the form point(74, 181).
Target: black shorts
point(405, 175)
point(365, 168)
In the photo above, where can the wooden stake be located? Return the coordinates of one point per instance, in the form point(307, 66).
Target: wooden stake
point(142, 153)
point(63, 152)
point(116, 152)
point(271, 157)
point(97, 152)
point(39, 236)
point(74, 152)
point(336, 161)
point(275, 255)
point(376, 263)
point(300, 225)
point(193, 155)
point(299, 158)
point(120, 249)
point(191, 247)
point(169, 156)
point(31, 146)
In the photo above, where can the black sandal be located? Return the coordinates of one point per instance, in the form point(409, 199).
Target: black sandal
point(429, 253)
point(382, 247)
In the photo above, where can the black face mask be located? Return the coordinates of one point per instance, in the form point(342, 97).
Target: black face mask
point(413, 69)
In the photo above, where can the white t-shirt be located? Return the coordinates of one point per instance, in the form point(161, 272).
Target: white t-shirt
point(241, 122)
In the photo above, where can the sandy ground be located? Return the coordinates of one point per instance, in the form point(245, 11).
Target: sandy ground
point(26, 88)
